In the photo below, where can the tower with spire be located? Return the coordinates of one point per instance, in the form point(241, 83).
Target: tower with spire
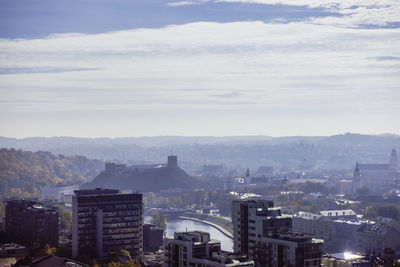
point(357, 174)
point(393, 161)
point(248, 173)
point(356, 179)
point(247, 176)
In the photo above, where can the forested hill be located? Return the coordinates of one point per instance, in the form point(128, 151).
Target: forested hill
point(23, 173)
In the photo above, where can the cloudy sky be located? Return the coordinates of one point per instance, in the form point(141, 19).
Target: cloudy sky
point(203, 67)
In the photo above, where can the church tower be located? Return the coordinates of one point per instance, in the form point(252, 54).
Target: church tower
point(393, 161)
point(356, 179)
point(357, 174)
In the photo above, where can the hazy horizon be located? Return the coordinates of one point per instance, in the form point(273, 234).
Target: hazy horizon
point(199, 136)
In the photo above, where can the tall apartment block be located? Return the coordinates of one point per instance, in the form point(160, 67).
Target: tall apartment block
point(263, 233)
point(104, 221)
point(31, 223)
point(196, 249)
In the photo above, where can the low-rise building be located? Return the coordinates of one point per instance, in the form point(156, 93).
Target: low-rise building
point(13, 251)
point(197, 249)
point(345, 259)
point(344, 234)
point(375, 238)
point(54, 261)
point(288, 249)
point(31, 223)
point(320, 224)
point(152, 238)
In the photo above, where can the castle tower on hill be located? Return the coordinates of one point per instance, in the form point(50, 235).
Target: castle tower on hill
point(393, 161)
point(172, 162)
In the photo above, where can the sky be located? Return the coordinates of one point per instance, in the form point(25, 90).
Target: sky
point(119, 68)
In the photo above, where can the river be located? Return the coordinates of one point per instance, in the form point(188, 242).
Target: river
point(180, 225)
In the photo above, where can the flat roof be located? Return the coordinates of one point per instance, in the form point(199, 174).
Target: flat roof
point(347, 256)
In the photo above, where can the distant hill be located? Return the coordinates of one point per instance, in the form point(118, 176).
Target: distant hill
point(233, 152)
point(152, 179)
point(351, 139)
point(23, 173)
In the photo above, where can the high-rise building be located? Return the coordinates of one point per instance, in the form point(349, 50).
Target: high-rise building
point(249, 219)
point(197, 249)
point(32, 223)
point(104, 221)
point(263, 233)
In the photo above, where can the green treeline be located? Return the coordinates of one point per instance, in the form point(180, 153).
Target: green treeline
point(23, 173)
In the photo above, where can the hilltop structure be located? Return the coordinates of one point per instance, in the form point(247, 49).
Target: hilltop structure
point(144, 178)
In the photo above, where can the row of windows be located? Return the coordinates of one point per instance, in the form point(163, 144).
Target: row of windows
point(121, 219)
point(118, 236)
point(118, 230)
point(117, 242)
point(121, 213)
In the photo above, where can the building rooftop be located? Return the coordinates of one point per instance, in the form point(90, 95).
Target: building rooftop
point(347, 256)
point(193, 236)
point(307, 215)
point(32, 205)
point(296, 237)
point(96, 191)
point(10, 246)
point(378, 228)
point(337, 213)
point(54, 261)
point(354, 222)
point(373, 167)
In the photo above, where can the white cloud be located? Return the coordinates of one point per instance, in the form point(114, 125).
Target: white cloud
point(280, 73)
point(186, 3)
point(354, 12)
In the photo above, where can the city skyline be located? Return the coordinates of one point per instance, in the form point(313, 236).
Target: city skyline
point(199, 68)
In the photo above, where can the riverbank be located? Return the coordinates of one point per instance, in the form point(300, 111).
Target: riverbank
point(222, 224)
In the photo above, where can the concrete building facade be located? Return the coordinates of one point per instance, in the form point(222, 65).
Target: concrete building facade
point(196, 249)
point(104, 221)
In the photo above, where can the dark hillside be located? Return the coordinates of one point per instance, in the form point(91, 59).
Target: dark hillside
point(153, 180)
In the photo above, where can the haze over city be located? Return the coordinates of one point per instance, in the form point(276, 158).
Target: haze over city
point(195, 68)
point(204, 133)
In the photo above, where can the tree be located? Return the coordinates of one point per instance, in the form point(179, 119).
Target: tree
point(49, 250)
point(65, 218)
point(159, 220)
point(121, 258)
point(389, 211)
